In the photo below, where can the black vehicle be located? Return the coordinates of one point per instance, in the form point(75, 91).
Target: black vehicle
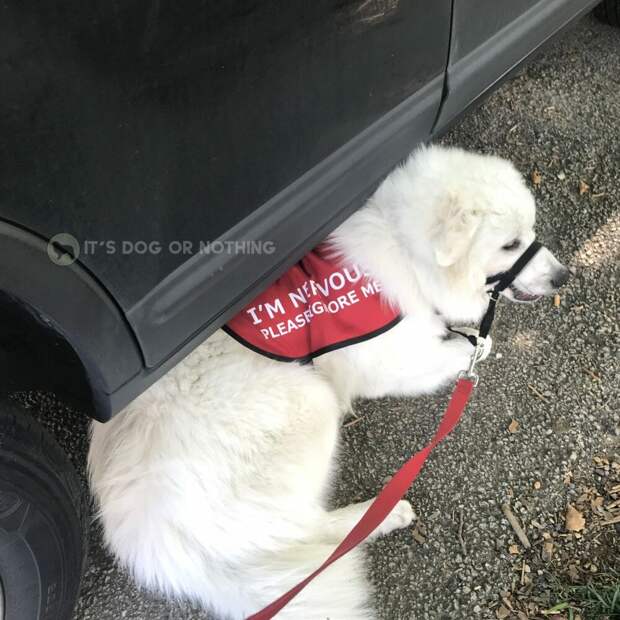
point(161, 162)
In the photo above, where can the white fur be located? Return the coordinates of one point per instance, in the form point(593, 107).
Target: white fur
point(212, 485)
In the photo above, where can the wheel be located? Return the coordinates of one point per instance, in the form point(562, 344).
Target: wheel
point(608, 11)
point(43, 522)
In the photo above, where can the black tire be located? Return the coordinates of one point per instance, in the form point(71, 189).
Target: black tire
point(608, 11)
point(43, 522)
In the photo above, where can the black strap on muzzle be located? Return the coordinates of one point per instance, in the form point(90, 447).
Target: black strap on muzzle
point(504, 280)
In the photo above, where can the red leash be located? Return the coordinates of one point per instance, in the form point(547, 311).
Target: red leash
point(393, 491)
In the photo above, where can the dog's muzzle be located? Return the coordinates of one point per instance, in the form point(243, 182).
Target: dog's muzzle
point(502, 281)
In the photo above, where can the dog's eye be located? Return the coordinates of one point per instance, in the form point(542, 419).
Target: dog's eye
point(513, 245)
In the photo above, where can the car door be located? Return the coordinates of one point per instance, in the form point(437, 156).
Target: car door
point(490, 38)
point(148, 129)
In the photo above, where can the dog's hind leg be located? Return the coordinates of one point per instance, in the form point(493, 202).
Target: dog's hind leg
point(338, 523)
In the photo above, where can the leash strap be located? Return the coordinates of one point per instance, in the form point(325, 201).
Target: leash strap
point(473, 340)
point(393, 491)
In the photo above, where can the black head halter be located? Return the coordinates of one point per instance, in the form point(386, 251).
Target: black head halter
point(504, 280)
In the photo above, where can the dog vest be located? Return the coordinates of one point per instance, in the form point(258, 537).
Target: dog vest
point(319, 305)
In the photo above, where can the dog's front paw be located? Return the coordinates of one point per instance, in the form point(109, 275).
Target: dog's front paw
point(401, 516)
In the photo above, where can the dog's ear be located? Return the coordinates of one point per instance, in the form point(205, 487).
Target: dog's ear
point(455, 226)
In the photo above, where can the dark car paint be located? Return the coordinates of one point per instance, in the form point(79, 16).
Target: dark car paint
point(148, 122)
point(166, 121)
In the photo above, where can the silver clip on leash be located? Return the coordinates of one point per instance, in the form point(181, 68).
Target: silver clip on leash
point(478, 354)
point(504, 280)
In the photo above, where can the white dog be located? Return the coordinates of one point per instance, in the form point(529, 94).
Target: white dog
point(213, 484)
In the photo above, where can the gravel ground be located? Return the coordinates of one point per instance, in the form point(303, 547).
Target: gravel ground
point(554, 370)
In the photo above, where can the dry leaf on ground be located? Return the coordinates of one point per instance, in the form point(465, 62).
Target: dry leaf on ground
point(584, 188)
point(596, 503)
point(574, 519)
point(418, 537)
point(513, 427)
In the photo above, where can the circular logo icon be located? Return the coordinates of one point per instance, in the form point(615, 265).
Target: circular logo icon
point(63, 249)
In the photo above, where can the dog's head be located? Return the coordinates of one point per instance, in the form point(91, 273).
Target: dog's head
point(479, 218)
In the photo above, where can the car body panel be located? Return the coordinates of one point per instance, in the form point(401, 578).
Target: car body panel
point(73, 304)
point(484, 51)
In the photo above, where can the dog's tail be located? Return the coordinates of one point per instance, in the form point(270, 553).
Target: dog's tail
point(341, 592)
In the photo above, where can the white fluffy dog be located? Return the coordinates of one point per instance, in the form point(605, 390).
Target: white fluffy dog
point(212, 485)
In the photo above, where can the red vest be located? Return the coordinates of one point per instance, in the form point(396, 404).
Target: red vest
point(318, 305)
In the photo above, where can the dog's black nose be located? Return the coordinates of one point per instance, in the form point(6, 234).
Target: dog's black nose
point(560, 277)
